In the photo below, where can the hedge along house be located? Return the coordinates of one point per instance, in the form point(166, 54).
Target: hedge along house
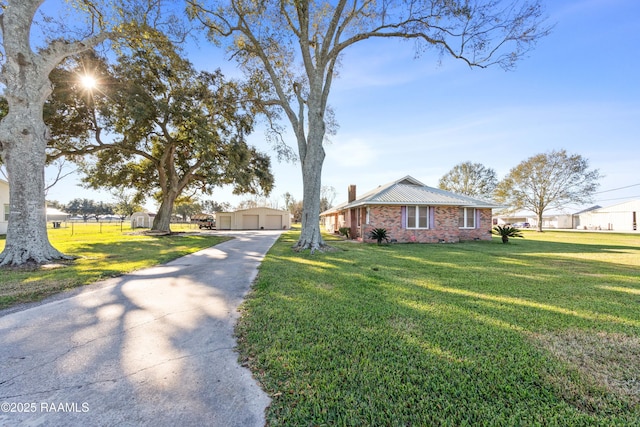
point(412, 212)
point(4, 206)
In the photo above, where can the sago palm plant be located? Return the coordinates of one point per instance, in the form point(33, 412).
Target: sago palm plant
point(506, 232)
point(379, 234)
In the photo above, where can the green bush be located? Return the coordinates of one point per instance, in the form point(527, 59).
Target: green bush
point(379, 234)
point(344, 231)
point(506, 232)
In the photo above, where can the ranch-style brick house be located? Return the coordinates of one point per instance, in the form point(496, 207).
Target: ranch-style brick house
point(412, 212)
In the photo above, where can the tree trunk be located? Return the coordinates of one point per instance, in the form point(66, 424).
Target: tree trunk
point(24, 137)
point(23, 133)
point(539, 227)
point(311, 163)
point(162, 220)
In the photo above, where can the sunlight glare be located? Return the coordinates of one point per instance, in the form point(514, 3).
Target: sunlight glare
point(89, 82)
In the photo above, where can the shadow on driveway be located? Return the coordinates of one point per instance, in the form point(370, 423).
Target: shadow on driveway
point(154, 347)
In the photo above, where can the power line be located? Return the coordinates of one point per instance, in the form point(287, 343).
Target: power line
point(617, 198)
point(615, 189)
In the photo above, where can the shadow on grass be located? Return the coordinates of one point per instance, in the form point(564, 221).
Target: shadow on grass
point(96, 261)
point(435, 334)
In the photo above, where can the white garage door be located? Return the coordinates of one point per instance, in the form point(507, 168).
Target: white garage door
point(249, 222)
point(274, 222)
point(224, 223)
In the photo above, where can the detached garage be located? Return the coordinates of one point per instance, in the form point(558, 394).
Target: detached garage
point(254, 219)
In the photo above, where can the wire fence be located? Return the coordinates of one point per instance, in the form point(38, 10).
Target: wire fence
point(104, 227)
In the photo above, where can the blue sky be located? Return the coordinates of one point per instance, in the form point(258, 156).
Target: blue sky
point(398, 115)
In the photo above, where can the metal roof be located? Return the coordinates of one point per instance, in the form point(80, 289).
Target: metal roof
point(410, 191)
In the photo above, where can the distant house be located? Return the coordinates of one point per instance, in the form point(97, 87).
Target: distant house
point(4, 206)
point(142, 219)
point(262, 218)
point(412, 212)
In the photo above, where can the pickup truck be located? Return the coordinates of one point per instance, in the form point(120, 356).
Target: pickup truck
point(204, 221)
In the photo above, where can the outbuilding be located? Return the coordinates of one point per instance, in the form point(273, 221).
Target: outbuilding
point(142, 219)
point(261, 218)
point(619, 217)
point(56, 217)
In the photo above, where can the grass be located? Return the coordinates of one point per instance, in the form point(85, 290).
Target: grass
point(102, 252)
point(542, 331)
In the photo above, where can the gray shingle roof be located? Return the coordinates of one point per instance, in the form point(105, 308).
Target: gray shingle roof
point(410, 191)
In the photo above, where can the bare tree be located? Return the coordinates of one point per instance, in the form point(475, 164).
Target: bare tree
point(126, 202)
point(470, 179)
point(295, 48)
point(328, 195)
point(547, 181)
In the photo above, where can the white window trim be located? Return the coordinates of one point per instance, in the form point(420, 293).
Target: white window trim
point(5, 213)
point(473, 216)
point(417, 209)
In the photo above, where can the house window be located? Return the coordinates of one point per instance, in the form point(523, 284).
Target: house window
point(467, 218)
point(368, 219)
point(6, 212)
point(417, 216)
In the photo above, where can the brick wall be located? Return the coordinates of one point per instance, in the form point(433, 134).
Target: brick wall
point(444, 227)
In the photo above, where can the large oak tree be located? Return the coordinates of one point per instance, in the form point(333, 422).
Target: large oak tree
point(295, 47)
point(25, 77)
point(164, 129)
point(23, 133)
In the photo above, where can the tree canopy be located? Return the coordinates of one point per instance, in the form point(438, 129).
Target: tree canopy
point(87, 208)
point(294, 49)
point(470, 179)
point(212, 206)
point(126, 202)
point(550, 180)
point(25, 76)
point(163, 128)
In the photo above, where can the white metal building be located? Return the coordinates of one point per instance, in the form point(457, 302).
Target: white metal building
point(620, 217)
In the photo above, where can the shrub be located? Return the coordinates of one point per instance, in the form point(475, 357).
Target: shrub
point(379, 234)
point(506, 232)
point(344, 231)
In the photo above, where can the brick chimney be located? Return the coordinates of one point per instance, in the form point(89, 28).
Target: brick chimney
point(351, 191)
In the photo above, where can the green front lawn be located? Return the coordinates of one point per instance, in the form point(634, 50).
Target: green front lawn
point(102, 252)
point(542, 331)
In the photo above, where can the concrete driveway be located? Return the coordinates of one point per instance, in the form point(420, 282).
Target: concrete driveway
point(154, 347)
